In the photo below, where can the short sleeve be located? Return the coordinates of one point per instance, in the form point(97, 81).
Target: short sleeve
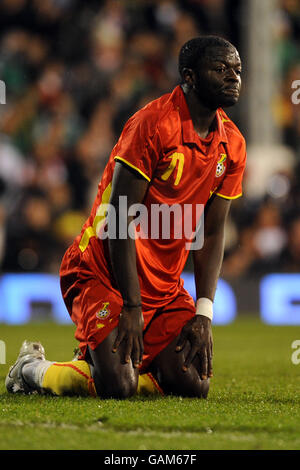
point(139, 145)
point(231, 186)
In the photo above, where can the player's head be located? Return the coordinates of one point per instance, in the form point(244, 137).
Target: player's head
point(211, 67)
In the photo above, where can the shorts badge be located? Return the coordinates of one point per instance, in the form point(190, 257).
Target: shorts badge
point(221, 165)
point(104, 312)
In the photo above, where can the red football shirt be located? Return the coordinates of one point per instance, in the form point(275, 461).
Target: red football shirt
point(160, 143)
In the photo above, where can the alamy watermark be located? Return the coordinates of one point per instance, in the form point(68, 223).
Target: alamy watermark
point(296, 95)
point(159, 221)
point(295, 358)
point(2, 92)
point(2, 352)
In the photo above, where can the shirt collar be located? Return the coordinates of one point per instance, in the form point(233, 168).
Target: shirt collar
point(188, 132)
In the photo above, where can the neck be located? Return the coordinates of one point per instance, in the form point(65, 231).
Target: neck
point(202, 116)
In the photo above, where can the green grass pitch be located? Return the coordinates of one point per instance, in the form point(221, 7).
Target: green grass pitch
point(253, 403)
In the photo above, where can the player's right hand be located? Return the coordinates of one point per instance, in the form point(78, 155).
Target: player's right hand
point(130, 335)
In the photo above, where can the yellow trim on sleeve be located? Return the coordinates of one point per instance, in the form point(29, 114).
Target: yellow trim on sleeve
point(229, 197)
point(99, 220)
point(132, 166)
point(88, 233)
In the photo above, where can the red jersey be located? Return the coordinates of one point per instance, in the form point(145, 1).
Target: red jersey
point(160, 143)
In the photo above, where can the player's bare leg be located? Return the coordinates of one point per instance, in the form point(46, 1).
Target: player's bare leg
point(167, 368)
point(113, 377)
point(104, 373)
point(33, 373)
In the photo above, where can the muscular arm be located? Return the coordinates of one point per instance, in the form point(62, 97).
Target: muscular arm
point(208, 260)
point(122, 251)
point(123, 260)
point(207, 265)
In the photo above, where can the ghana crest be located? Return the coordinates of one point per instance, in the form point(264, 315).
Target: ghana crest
point(104, 312)
point(221, 167)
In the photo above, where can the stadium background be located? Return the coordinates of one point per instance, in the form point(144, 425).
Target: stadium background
point(75, 71)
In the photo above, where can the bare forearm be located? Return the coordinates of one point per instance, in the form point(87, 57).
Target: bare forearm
point(122, 251)
point(207, 265)
point(123, 259)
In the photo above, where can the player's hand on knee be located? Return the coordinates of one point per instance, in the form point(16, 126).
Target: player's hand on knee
point(130, 335)
point(199, 334)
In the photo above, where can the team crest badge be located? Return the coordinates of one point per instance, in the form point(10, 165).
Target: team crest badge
point(104, 312)
point(221, 165)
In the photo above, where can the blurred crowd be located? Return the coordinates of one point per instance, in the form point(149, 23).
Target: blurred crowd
point(263, 234)
point(74, 72)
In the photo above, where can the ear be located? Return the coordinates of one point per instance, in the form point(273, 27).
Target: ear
point(188, 76)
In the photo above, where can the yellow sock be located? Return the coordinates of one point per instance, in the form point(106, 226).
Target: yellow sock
point(69, 378)
point(147, 385)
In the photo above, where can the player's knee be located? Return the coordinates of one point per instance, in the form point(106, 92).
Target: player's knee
point(197, 389)
point(187, 385)
point(125, 389)
point(175, 381)
point(119, 386)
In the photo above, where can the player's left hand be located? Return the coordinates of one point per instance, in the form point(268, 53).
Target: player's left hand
point(199, 334)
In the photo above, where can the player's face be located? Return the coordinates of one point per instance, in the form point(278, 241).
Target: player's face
point(217, 79)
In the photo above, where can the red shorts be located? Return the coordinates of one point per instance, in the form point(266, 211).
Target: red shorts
point(95, 308)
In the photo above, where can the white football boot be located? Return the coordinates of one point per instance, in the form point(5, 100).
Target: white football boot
point(29, 352)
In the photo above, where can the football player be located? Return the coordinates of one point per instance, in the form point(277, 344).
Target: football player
point(138, 328)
